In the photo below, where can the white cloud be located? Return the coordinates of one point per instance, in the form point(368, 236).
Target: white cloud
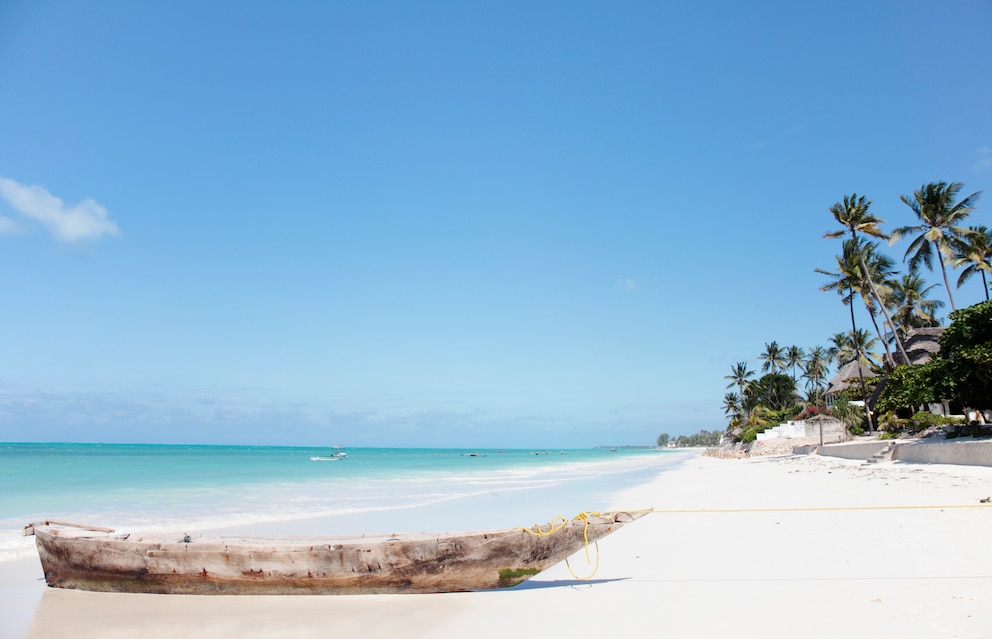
point(8, 226)
point(984, 158)
point(627, 284)
point(84, 221)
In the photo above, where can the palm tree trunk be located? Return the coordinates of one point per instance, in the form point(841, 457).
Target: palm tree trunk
point(947, 285)
point(885, 345)
point(878, 298)
point(857, 355)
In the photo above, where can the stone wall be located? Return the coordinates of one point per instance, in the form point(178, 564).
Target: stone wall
point(854, 450)
point(967, 452)
point(832, 431)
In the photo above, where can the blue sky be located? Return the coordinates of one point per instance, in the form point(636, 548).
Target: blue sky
point(445, 223)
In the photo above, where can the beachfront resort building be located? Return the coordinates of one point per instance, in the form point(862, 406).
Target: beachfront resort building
point(921, 345)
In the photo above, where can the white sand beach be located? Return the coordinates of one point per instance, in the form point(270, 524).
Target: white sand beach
point(815, 549)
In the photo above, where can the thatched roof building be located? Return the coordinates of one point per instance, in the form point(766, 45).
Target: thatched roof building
point(921, 345)
point(848, 376)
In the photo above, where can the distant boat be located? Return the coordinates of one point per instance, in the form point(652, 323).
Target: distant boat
point(90, 558)
point(332, 457)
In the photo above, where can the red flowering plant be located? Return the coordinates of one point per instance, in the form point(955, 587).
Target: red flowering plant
point(812, 411)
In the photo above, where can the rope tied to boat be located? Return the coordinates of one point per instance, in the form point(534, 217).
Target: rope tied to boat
point(559, 522)
point(982, 504)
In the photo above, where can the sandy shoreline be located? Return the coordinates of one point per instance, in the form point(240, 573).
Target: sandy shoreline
point(852, 568)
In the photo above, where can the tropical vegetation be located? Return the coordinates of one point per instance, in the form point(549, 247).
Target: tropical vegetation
point(792, 381)
point(702, 438)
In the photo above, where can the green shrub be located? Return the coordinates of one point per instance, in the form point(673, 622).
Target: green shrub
point(923, 420)
point(852, 415)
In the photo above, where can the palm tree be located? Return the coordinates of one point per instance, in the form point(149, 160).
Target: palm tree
point(739, 376)
point(857, 346)
point(853, 345)
point(939, 226)
point(881, 270)
point(731, 403)
point(794, 356)
point(852, 214)
point(838, 344)
point(815, 370)
point(862, 345)
point(847, 281)
point(910, 306)
point(773, 358)
point(850, 280)
point(975, 254)
point(842, 348)
point(732, 407)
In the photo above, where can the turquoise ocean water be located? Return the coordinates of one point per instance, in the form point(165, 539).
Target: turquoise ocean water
point(173, 487)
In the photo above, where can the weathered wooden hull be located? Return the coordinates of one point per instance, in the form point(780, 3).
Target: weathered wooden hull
point(401, 563)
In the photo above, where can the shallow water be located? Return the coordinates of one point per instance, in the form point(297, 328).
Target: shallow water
point(169, 487)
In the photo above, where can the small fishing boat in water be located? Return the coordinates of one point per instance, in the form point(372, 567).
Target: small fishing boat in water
point(92, 558)
point(332, 457)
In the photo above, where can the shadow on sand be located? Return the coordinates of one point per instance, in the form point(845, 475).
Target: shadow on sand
point(562, 583)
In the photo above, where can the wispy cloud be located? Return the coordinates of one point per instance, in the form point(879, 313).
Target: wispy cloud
point(627, 284)
point(82, 222)
point(984, 158)
point(8, 226)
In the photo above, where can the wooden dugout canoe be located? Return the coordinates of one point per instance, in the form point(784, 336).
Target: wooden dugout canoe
point(99, 559)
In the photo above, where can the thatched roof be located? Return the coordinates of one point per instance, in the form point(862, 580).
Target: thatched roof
point(921, 345)
point(848, 376)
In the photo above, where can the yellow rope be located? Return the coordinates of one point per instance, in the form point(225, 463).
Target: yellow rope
point(554, 526)
point(594, 569)
point(585, 534)
point(803, 509)
point(560, 522)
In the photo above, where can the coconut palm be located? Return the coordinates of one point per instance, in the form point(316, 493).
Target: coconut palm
point(837, 341)
point(910, 306)
point(773, 358)
point(732, 407)
point(974, 252)
point(740, 376)
point(852, 214)
point(815, 370)
point(881, 270)
point(731, 403)
point(847, 282)
point(850, 280)
point(794, 356)
point(939, 227)
point(862, 347)
point(856, 345)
